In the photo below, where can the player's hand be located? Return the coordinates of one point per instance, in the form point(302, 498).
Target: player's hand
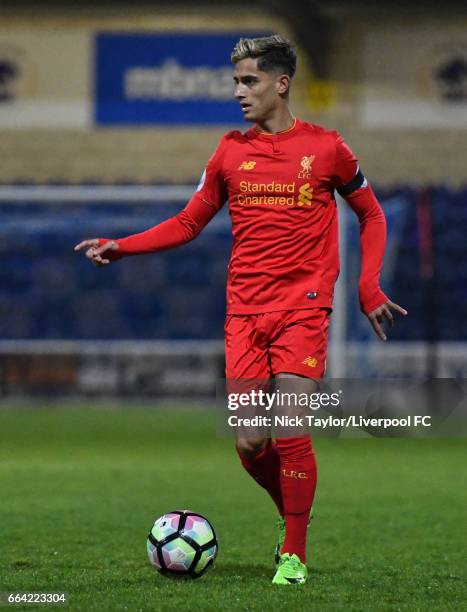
point(96, 253)
point(382, 314)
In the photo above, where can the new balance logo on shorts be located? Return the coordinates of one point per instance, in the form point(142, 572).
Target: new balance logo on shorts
point(310, 361)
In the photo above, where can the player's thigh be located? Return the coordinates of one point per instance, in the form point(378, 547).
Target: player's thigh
point(303, 384)
point(300, 346)
point(246, 354)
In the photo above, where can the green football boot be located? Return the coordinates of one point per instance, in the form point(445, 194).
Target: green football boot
point(290, 571)
point(280, 526)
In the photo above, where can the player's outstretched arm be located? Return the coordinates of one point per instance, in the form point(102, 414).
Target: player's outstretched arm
point(184, 227)
point(173, 232)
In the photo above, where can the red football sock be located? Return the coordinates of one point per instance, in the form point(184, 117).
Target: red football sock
point(298, 477)
point(264, 468)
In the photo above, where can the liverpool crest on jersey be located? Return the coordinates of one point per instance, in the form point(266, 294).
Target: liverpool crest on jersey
point(306, 163)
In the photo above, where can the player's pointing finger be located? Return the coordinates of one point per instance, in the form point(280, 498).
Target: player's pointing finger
point(85, 244)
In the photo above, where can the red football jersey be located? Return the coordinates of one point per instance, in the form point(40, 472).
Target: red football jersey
point(280, 188)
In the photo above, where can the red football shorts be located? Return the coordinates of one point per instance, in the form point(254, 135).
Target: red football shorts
point(287, 341)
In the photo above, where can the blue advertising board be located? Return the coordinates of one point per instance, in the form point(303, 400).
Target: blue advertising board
point(165, 78)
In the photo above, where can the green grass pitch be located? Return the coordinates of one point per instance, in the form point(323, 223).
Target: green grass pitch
point(80, 488)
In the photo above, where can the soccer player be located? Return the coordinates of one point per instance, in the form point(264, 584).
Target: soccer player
point(279, 178)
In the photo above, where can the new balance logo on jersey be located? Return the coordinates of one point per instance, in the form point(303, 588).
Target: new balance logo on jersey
point(312, 362)
point(306, 194)
point(247, 165)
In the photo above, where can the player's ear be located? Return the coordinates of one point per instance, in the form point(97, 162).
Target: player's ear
point(283, 84)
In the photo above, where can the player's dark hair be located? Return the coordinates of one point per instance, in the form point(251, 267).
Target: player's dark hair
point(274, 53)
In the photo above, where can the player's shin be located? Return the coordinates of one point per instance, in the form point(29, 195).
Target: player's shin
point(264, 467)
point(298, 476)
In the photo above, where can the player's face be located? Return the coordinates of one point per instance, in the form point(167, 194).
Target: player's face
point(257, 92)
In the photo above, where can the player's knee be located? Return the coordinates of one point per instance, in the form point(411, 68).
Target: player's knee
point(296, 447)
point(250, 446)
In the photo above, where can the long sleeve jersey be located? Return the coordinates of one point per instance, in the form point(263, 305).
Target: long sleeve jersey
point(280, 192)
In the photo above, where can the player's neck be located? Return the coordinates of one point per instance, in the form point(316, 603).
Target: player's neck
point(280, 122)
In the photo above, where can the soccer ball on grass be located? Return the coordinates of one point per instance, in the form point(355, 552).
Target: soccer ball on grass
point(182, 544)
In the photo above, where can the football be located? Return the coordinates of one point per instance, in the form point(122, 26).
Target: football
point(182, 544)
